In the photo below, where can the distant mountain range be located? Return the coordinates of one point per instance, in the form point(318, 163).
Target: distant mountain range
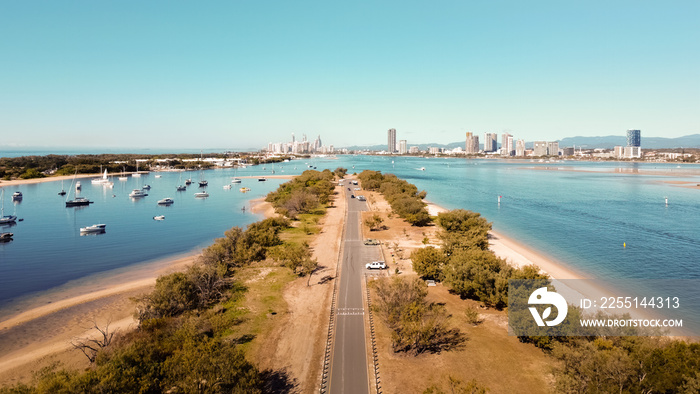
point(606, 142)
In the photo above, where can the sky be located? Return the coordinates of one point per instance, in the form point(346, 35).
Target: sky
point(239, 74)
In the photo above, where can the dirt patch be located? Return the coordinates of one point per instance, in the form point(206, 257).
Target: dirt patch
point(296, 342)
point(489, 355)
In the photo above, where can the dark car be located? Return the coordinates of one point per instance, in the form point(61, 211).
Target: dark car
point(348, 189)
point(352, 196)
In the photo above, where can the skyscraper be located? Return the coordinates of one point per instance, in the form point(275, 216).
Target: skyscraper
point(520, 148)
point(634, 144)
point(540, 148)
point(553, 148)
point(391, 143)
point(402, 147)
point(471, 146)
point(490, 142)
point(506, 144)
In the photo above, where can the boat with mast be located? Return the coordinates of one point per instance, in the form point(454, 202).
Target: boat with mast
point(123, 177)
point(63, 191)
point(180, 186)
point(9, 219)
point(235, 179)
point(136, 174)
point(202, 182)
point(101, 181)
point(76, 201)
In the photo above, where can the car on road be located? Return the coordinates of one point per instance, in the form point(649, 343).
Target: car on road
point(358, 188)
point(361, 198)
point(371, 241)
point(352, 196)
point(378, 265)
point(348, 189)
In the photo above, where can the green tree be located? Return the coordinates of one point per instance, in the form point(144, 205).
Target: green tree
point(429, 262)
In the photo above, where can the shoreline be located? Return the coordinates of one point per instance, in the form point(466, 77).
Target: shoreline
point(37, 330)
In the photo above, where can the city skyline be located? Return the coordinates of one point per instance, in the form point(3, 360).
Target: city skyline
point(227, 75)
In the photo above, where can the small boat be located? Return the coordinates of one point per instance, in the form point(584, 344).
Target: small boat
point(9, 219)
point(136, 193)
point(101, 181)
point(165, 201)
point(78, 186)
point(95, 228)
point(227, 187)
point(262, 179)
point(244, 189)
point(203, 183)
point(6, 237)
point(422, 169)
point(235, 180)
point(201, 194)
point(146, 187)
point(158, 176)
point(137, 173)
point(78, 201)
point(159, 217)
point(181, 188)
point(63, 190)
point(188, 181)
point(16, 196)
point(123, 177)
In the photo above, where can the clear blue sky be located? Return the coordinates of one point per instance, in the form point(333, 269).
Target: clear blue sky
point(238, 74)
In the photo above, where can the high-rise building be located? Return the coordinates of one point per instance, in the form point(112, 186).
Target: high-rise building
point(634, 144)
point(506, 144)
point(391, 143)
point(553, 148)
point(520, 148)
point(413, 149)
point(472, 145)
point(540, 148)
point(619, 151)
point(490, 142)
point(402, 147)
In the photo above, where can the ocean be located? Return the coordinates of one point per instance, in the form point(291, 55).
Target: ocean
point(577, 213)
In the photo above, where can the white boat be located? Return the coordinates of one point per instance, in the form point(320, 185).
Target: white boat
point(227, 187)
point(422, 169)
point(235, 180)
point(9, 219)
point(63, 191)
point(101, 181)
point(95, 228)
point(146, 187)
point(201, 194)
point(16, 196)
point(159, 217)
point(136, 193)
point(136, 174)
point(158, 176)
point(78, 186)
point(166, 201)
point(123, 177)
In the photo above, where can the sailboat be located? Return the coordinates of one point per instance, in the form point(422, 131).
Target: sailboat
point(123, 177)
point(103, 180)
point(180, 187)
point(202, 182)
point(63, 191)
point(77, 201)
point(235, 176)
point(136, 174)
point(9, 219)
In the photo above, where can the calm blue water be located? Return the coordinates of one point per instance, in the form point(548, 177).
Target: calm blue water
point(579, 218)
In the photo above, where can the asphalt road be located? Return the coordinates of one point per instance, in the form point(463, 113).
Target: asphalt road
point(349, 360)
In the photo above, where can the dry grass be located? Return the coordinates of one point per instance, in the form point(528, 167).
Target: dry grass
point(490, 356)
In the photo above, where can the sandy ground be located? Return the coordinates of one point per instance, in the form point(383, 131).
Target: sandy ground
point(675, 172)
point(298, 341)
point(16, 182)
point(42, 335)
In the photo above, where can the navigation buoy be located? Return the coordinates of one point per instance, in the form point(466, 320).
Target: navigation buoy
point(624, 244)
point(499, 199)
point(666, 200)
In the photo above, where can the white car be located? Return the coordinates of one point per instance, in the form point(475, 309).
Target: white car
point(361, 198)
point(378, 265)
point(358, 188)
